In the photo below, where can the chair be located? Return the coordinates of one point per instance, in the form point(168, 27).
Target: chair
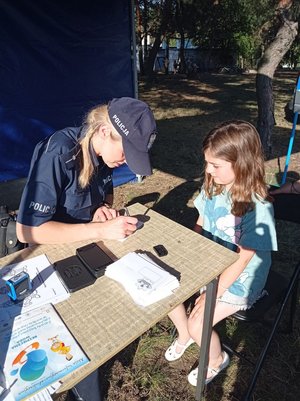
point(280, 291)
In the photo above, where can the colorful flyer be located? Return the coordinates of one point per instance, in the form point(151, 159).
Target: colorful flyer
point(37, 349)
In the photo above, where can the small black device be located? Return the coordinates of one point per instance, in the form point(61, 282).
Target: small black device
point(74, 273)
point(160, 250)
point(19, 286)
point(94, 258)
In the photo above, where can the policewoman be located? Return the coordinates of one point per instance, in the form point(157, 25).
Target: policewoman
point(69, 192)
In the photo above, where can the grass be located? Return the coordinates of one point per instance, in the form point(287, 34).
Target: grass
point(185, 110)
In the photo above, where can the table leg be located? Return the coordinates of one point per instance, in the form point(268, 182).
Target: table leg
point(210, 302)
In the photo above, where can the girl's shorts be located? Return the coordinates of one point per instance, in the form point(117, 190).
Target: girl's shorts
point(242, 302)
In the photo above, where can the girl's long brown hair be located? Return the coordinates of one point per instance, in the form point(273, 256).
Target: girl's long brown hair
point(238, 142)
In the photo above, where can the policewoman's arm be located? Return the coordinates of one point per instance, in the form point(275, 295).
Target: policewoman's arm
point(53, 232)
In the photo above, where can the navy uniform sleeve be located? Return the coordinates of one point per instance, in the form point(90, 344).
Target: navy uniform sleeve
point(109, 189)
point(43, 188)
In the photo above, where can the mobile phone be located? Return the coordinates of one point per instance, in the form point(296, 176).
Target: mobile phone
point(94, 258)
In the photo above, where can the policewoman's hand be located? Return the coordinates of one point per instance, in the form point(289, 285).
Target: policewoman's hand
point(104, 213)
point(117, 228)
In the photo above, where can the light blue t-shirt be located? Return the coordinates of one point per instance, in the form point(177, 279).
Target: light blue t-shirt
point(255, 230)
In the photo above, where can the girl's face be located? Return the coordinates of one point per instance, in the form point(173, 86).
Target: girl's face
point(110, 149)
point(220, 169)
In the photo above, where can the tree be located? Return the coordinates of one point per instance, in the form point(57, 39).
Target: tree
point(292, 57)
point(186, 16)
point(163, 20)
point(283, 30)
point(141, 33)
point(232, 26)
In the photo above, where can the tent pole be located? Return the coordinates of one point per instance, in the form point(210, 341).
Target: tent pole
point(288, 156)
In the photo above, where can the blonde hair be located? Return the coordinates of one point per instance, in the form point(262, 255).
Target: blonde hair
point(238, 142)
point(93, 120)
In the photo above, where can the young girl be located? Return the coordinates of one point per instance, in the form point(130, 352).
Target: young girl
point(234, 210)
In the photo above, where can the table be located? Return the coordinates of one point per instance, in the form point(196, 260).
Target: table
point(104, 319)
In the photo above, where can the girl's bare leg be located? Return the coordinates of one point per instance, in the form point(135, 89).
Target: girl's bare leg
point(180, 320)
point(195, 324)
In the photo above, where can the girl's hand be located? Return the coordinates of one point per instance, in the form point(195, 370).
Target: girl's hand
point(198, 308)
point(116, 228)
point(104, 213)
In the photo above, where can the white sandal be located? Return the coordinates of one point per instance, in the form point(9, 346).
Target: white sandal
point(193, 375)
point(172, 355)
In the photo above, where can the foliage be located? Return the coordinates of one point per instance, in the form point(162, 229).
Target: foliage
point(244, 17)
point(247, 47)
point(207, 24)
point(280, 36)
point(292, 57)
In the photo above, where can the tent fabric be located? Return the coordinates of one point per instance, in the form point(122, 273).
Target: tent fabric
point(123, 174)
point(57, 60)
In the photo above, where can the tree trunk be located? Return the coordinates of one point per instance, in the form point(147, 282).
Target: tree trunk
point(161, 32)
point(149, 64)
point(141, 61)
point(139, 37)
point(265, 103)
point(181, 52)
point(264, 80)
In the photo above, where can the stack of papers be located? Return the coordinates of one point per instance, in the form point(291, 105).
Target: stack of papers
point(46, 286)
point(142, 278)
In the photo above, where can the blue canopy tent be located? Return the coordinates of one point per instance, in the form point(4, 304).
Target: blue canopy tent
point(57, 60)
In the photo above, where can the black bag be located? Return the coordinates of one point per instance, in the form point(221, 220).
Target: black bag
point(9, 242)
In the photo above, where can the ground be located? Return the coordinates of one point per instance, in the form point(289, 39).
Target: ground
point(185, 111)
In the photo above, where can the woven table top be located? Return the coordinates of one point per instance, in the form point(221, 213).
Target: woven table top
point(102, 317)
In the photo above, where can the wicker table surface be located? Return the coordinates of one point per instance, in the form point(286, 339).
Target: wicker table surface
point(102, 317)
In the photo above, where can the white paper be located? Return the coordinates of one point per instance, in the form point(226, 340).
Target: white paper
point(142, 278)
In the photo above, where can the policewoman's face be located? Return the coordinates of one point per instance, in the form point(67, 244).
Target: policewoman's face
point(109, 147)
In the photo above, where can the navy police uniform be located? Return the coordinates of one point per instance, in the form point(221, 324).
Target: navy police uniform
point(53, 192)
